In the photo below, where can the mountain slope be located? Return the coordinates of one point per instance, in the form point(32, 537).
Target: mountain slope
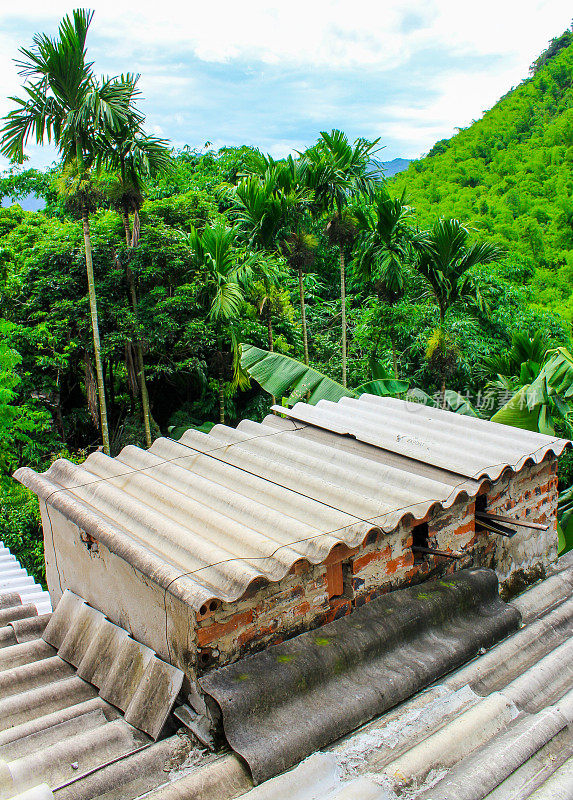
point(510, 176)
point(395, 166)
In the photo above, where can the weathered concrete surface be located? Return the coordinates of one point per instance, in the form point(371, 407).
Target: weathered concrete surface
point(354, 668)
point(125, 595)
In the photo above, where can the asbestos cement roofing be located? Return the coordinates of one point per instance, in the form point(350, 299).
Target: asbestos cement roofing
point(212, 513)
point(499, 728)
point(354, 668)
point(60, 737)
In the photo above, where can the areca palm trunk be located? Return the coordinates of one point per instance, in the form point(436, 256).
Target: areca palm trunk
point(221, 395)
point(303, 315)
point(126, 227)
point(394, 357)
point(139, 364)
point(343, 303)
point(270, 337)
point(269, 327)
point(95, 331)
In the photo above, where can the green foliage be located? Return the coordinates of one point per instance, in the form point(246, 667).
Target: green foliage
point(546, 401)
point(508, 176)
point(445, 260)
point(232, 245)
point(20, 530)
point(565, 524)
point(282, 376)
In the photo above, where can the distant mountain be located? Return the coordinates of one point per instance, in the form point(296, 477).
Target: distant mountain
point(509, 177)
point(395, 166)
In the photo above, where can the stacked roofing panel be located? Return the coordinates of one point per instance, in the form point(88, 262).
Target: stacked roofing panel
point(15, 580)
point(209, 515)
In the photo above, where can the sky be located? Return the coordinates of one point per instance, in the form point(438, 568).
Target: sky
point(274, 74)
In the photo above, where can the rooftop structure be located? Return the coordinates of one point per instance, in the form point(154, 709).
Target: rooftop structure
point(245, 536)
point(262, 571)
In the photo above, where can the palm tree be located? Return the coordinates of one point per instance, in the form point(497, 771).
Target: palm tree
point(133, 156)
point(299, 249)
point(337, 171)
point(227, 272)
point(384, 247)
point(270, 207)
point(66, 104)
point(518, 365)
point(444, 260)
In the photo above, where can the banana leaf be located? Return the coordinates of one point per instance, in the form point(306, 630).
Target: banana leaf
point(555, 377)
point(177, 431)
point(383, 387)
point(282, 376)
point(383, 383)
point(517, 413)
point(460, 404)
point(565, 521)
point(454, 402)
point(539, 405)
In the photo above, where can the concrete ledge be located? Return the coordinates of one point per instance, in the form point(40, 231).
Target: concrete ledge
point(281, 705)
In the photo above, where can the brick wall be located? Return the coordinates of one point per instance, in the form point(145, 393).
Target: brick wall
point(304, 598)
point(530, 494)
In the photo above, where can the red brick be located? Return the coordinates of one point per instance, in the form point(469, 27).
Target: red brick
point(376, 555)
point(253, 633)
point(399, 563)
point(211, 633)
point(469, 526)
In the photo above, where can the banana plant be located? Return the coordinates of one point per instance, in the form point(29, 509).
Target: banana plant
point(546, 400)
point(565, 521)
point(452, 401)
point(282, 376)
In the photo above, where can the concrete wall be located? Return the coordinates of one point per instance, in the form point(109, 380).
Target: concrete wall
point(126, 596)
point(531, 494)
point(303, 599)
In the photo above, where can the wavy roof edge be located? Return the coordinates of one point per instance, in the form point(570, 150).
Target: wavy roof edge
point(191, 589)
point(334, 417)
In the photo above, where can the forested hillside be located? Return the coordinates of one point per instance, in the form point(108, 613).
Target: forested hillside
point(184, 255)
point(510, 176)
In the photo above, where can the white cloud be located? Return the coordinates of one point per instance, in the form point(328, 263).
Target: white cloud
point(325, 32)
point(477, 52)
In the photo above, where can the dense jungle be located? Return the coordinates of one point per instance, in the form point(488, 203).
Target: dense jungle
point(224, 278)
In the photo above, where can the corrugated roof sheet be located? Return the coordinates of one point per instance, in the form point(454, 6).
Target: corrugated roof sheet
point(23, 589)
point(128, 675)
point(354, 668)
point(499, 728)
point(469, 446)
point(210, 514)
point(58, 738)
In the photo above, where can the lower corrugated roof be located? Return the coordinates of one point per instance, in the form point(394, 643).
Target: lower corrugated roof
point(350, 670)
point(498, 728)
point(212, 513)
point(60, 736)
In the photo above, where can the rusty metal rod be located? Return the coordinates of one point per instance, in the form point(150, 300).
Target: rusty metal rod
point(521, 523)
point(495, 527)
point(417, 548)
